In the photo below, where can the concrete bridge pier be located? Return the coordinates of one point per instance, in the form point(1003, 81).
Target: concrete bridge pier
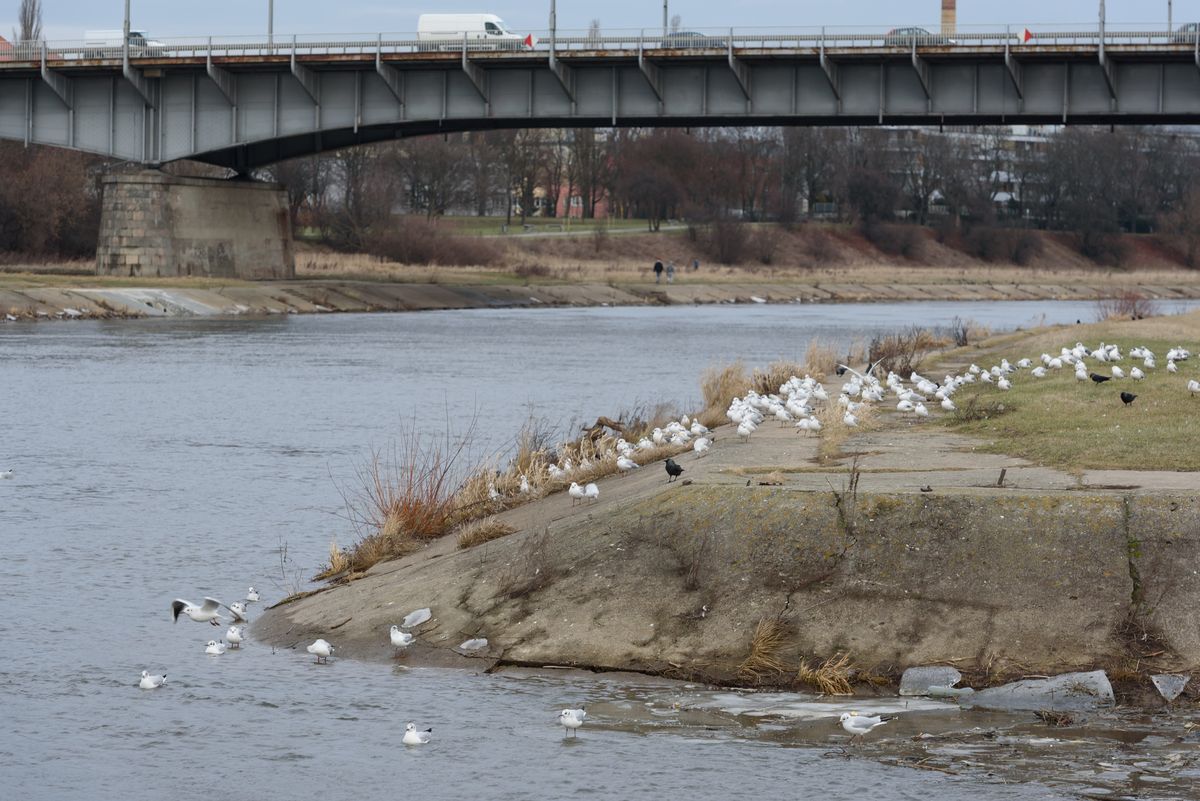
point(156, 224)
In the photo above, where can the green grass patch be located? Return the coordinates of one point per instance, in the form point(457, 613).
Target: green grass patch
point(1079, 425)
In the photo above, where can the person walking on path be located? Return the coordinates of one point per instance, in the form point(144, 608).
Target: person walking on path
point(658, 271)
point(670, 272)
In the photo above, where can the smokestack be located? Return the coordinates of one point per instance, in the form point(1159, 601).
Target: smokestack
point(949, 17)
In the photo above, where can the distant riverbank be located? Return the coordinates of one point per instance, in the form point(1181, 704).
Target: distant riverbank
point(35, 297)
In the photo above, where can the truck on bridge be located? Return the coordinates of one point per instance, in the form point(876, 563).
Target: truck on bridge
point(447, 32)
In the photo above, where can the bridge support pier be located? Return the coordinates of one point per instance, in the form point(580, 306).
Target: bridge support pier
point(155, 224)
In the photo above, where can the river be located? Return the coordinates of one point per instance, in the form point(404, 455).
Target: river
point(175, 458)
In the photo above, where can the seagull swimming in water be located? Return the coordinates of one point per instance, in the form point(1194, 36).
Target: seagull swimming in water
point(401, 639)
point(858, 725)
point(6, 474)
point(252, 595)
point(321, 650)
point(414, 737)
point(214, 648)
point(208, 612)
point(571, 720)
point(149, 682)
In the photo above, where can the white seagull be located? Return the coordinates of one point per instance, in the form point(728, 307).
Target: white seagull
point(149, 682)
point(208, 612)
point(214, 648)
point(401, 639)
point(576, 493)
point(252, 595)
point(6, 474)
point(414, 737)
point(591, 492)
point(625, 464)
point(235, 635)
point(239, 611)
point(1193, 386)
point(701, 446)
point(571, 720)
point(858, 725)
point(321, 650)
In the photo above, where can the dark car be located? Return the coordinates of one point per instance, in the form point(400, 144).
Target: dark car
point(1186, 34)
point(685, 40)
point(904, 37)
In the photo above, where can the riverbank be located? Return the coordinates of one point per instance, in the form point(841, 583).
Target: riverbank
point(906, 544)
point(43, 297)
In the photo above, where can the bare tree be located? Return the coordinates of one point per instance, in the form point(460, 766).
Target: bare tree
point(593, 33)
point(588, 167)
point(29, 22)
point(434, 174)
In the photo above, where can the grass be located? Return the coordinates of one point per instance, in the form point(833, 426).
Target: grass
point(1078, 425)
point(480, 531)
point(831, 677)
point(765, 660)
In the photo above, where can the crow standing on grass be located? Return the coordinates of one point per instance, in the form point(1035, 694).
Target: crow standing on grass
point(1100, 379)
point(1128, 398)
point(673, 470)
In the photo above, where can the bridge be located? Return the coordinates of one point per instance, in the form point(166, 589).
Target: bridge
point(244, 103)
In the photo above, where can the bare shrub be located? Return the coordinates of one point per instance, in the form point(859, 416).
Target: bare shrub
point(1027, 247)
point(1103, 247)
point(895, 239)
point(481, 531)
point(765, 660)
point(820, 360)
point(410, 241)
point(1003, 245)
point(902, 352)
point(979, 407)
point(1127, 306)
point(819, 246)
point(600, 237)
point(690, 548)
point(960, 332)
point(530, 569)
point(726, 241)
point(527, 270)
point(765, 244)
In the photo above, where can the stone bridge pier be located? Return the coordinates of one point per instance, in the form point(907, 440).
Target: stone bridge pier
point(156, 224)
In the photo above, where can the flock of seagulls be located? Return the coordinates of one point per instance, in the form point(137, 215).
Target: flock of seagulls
point(207, 612)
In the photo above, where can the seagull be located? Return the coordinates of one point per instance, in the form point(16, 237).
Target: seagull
point(673, 470)
point(948, 405)
point(416, 618)
point(524, 485)
point(576, 493)
point(920, 410)
point(414, 737)
point(251, 595)
point(1004, 384)
point(214, 648)
point(149, 682)
point(239, 611)
point(701, 446)
point(235, 635)
point(625, 464)
point(591, 492)
point(849, 419)
point(1128, 398)
point(209, 612)
point(1117, 372)
point(571, 720)
point(1193, 386)
point(1171, 368)
point(401, 639)
point(6, 474)
point(858, 725)
point(1136, 374)
point(321, 650)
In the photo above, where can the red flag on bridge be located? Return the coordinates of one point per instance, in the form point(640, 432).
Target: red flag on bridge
point(1026, 35)
point(530, 40)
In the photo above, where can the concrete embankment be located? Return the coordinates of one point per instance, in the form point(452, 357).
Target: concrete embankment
point(1051, 572)
point(34, 300)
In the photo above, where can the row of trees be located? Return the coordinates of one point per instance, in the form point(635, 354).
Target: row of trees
point(1095, 182)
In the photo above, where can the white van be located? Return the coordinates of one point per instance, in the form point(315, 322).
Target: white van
point(446, 31)
point(140, 43)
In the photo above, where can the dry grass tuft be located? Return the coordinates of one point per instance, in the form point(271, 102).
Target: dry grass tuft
point(718, 387)
point(768, 380)
point(530, 569)
point(831, 677)
point(904, 351)
point(765, 660)
point(481, 531)
point(820, 360)
point(835, 432)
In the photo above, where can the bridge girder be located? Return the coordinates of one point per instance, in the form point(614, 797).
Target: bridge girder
point(249, 113)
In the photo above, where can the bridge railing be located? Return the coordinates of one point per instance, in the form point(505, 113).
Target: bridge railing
point(610, 40)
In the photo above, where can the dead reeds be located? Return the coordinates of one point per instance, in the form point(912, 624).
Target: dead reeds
point(480, 531)
point(765, 660)
point(831, 677)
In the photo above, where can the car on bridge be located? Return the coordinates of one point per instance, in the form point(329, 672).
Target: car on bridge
point(692, 40)
point(96, 43)
point(905, 37)
point(480, 31)
point(1186, 34)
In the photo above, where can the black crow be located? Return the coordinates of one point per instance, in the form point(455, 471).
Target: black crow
point(673, 470)
point(1128, 397)
point(1100, 379)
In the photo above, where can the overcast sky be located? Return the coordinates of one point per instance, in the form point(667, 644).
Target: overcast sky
point(67, 19)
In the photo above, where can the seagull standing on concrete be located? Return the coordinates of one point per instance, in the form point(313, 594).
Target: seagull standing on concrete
point(591, 492)
point(401, 639)
point(576, 493)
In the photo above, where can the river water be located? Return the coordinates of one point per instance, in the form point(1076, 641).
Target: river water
point(173, 458)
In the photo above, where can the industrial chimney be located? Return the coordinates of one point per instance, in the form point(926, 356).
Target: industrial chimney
point(949, 17)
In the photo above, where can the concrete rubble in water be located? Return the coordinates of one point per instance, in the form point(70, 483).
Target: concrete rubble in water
point(1070, 692)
